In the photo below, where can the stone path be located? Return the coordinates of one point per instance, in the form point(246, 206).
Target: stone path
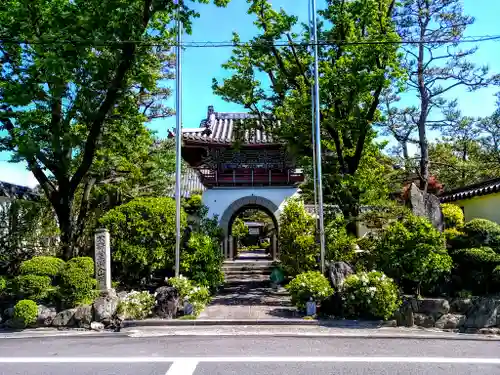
point(251, 297)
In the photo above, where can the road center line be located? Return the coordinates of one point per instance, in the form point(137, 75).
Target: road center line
point(185, 360)
point(183, 367)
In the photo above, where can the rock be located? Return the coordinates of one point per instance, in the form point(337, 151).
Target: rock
point(426, 205)
point(64, 318)
point(83, 316)
point(450, 321)
point(461, 305)
point(489, 331)
point(105, 307)
point(14, 324)
point(8, 313)
point(45, 316)
point(122, 295)
point(96, 326)
point(433, 306)
point(483, 314)
point(423, 320)
point(404, 316)
point(167, 302)
point(337, 273)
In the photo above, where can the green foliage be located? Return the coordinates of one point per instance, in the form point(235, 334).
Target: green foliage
point(453, 216)
point(25, 312)
point(198, 296)
point(142, 237)
point(42, 266)
point(474, 270)
point(307, 285)
point(340, 245)
point(412, 249)
point(298, 248)
point(370, 294)
point(85, 263)
point(32, 287)
point(264, 245)
point(239, 229)
point(201, 261)
point(76, 284)
point(3, 284)
point(481, 232)
point(137, 305)
point(193, 204)
point(452, 235)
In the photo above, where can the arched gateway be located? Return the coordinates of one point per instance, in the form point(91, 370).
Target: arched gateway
point(258, 173)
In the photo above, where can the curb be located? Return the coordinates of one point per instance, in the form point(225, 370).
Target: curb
point(225, 322)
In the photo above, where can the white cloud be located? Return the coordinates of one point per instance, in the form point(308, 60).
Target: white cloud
point(16, 173)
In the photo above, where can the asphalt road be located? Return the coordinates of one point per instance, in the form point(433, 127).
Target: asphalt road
point(245, 356)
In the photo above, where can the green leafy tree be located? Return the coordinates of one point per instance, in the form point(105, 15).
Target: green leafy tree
point(239, 230)
point(142, 237)
point(74, 75)
point(273, 81)
point(298, 249)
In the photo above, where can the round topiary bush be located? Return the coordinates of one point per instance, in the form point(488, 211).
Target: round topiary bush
point(42, 266)
point(307, 285)
point(85, 263)
point(482, 232)
point(453, 215)
point(76, 286)
point(32, 287)
point(370, 294)
point(25, 313)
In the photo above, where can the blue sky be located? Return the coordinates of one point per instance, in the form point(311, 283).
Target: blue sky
point(200, 65)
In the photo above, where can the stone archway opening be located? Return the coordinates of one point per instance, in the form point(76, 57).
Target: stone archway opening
point(261, 216)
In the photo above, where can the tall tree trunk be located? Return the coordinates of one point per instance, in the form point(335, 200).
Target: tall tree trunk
point(66, 226)
point(422, 120)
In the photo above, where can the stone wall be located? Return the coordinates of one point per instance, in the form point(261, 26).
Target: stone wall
point(469, 315)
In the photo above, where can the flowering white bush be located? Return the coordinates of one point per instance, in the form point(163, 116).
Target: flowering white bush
point(137, 305)
point(198, 296)
point(311, 284)
point(370, 294)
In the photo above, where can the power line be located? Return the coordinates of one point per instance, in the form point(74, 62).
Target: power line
point(252, 43)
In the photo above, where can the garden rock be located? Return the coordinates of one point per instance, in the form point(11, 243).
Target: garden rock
point(105, 307)
point(167, 302)
point(122, 295)
point(8, 313)
point(64, 318)
point(461, 305)
point(426, 205)
point(483, 314)
point(423, 320)
point(338, 271)
point(83, 316)
point(45, 316)
point(96, 326)
point(433, 306)
point(450, 321)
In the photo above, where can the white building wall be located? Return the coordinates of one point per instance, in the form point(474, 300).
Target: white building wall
point(219, 199)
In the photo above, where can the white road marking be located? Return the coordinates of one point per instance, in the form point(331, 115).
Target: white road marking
point(183, 367)
point(185, 360)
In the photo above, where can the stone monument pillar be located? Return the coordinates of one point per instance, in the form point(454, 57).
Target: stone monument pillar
point(102, 250)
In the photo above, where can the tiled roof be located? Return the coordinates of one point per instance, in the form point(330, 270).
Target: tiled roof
point(190, 183)
point(13, 191)
point(481, 188)
point(222, 128)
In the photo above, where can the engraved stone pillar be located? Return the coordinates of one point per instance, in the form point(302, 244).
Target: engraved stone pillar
point(274, 247)
point(102, 259)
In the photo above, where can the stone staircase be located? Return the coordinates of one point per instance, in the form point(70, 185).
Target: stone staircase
point(238, 272)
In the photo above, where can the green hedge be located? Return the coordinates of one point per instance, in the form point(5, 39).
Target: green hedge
point(76, 285)
point(453, 215)
point(33, 287)
point(42, 266)
point(481, 232)
point(25, 313)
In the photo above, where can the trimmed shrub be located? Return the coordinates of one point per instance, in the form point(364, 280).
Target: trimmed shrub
point(370, 294)
point(85, 263)
point(340, 245)
point(198, 296)
point(474, 270)
point(182, 284)
point(25, 312)
point(307, 285)
point(481, 232)
point(413, 250)
point(137, 305)
point(142, 237)
point(77, 287)
point(3, 284)
point(202, 260)
point(453, 216)
point(42, 266)
point(32, 287)
point(298, 249)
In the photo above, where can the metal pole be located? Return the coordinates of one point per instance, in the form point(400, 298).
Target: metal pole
point(178, 144)
point(313, 132)
point(318, 138)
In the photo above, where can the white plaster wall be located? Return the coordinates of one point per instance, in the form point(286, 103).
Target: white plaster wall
point(219, 199)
